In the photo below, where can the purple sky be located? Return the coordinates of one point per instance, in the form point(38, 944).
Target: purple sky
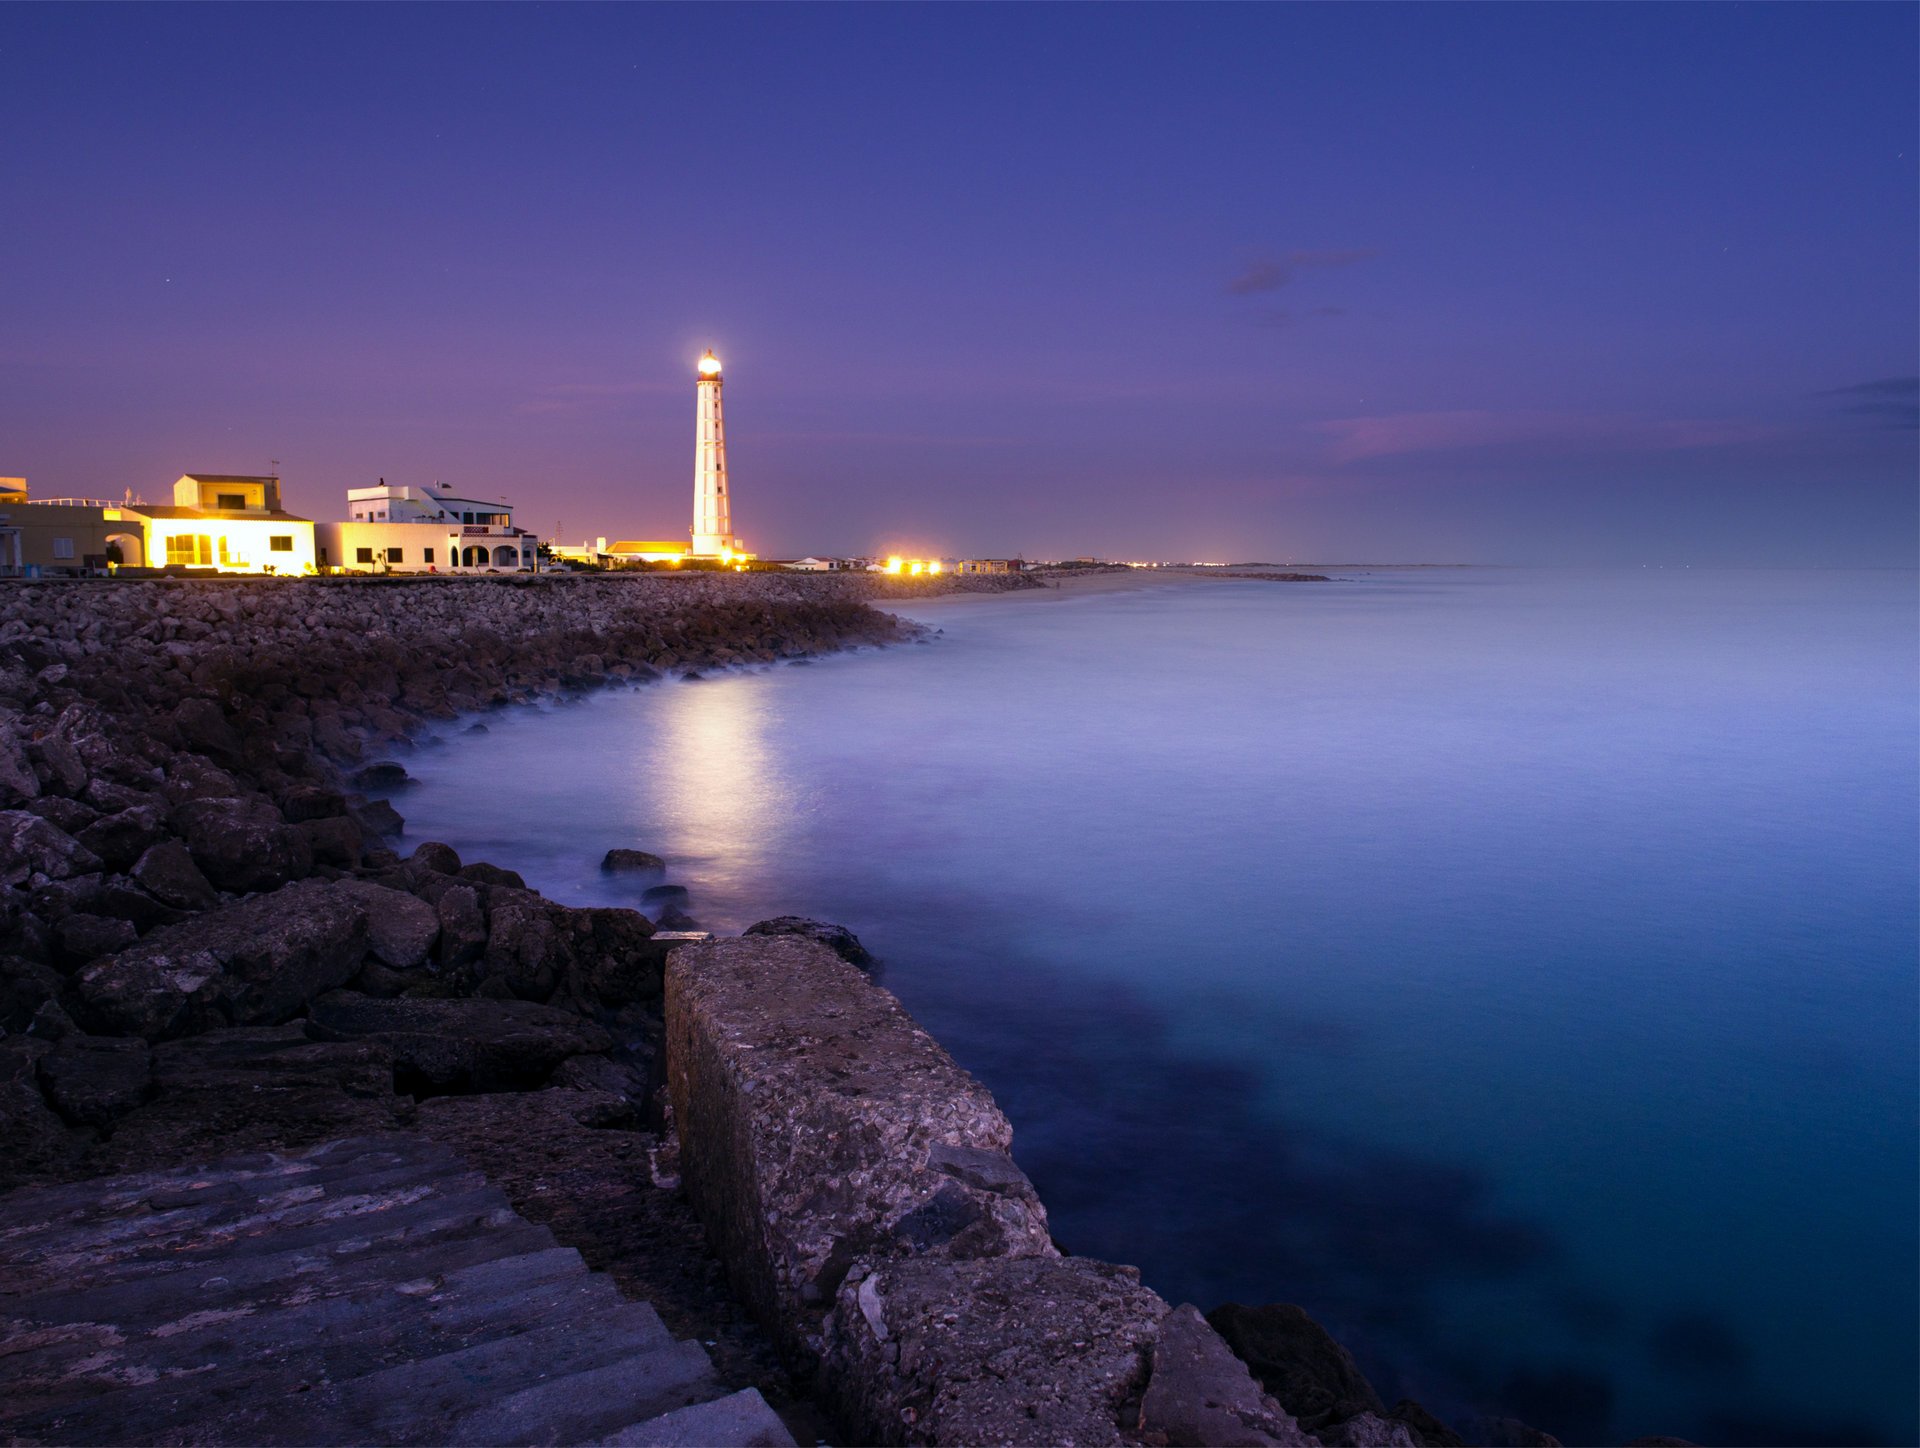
point(1519, 283)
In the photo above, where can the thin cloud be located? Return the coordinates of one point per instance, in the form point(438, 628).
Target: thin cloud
point(1893, 400)
point(1269, 273)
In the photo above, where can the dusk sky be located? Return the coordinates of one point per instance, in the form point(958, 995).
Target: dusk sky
point(1526, 283)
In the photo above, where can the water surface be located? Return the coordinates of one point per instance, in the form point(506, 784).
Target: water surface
point(1517, 969)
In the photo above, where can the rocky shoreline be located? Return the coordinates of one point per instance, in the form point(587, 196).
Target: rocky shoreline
point(206, 944)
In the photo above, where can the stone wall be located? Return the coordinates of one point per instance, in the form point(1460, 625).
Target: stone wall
point(860, 1188)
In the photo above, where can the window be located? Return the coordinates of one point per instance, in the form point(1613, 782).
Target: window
point(466, 517)
point(426, 555)
point(394, 555)
point(363, 555)
point(194, 550)
point(229, 500)
point(323, 556)
point(280, 542)
point(63, 548)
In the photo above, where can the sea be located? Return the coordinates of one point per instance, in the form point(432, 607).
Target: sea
point(1514, 968)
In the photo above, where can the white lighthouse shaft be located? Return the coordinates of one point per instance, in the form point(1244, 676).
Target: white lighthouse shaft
point(712, 515)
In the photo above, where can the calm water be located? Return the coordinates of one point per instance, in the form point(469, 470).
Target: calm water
point(1516, 969)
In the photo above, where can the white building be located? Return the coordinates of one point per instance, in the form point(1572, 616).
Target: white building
point(405, 529)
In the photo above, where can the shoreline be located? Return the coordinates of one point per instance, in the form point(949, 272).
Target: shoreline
point(183, 741)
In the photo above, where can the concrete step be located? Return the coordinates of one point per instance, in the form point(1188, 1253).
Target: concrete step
point(741, 1420)
point(374, 1290)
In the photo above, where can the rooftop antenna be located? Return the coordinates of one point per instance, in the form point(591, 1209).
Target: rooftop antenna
point(276, 466)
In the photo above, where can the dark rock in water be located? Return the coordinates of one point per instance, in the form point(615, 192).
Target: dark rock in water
point(476, 728)
point(1512, 1433)
point(377, 818)
point(337, 842)
point(242, 844)
point(620, 861)
point(674, 918)
point(837, 938)
point(168, 873)
point(1200, 1395)
point(441, 859)
point(462, 1045)
point(1313, 1377)
point(82, 938)
point(1428, 1431)
point(255, 963)
point(665, 895)
point(482, 873)
point(1367, 1430)
point(95, 1080)
point(384, 775)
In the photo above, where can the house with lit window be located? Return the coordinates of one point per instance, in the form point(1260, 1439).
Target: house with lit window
point(227, 522)
point(391, 528)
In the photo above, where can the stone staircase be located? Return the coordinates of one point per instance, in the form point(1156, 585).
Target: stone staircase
point(372, 1290)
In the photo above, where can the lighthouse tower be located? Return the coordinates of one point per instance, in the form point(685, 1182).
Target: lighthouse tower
point(712, 511)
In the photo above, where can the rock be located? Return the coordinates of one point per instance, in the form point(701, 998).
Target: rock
point(481, 873)
point(837, 938)
point(242, 844)
point(312, 802)
point(1022, 1350)
point(203, 728)
point(335, 841)
point(254, 963)
point(623, 861)
point(1512, 1433)
point(434, 856)
point(672, 895)
point(32, 846)
point(463, 927)
point(34, 1142)
point(27, 987)
point(69, 814)
point(461, 1045)
point(1201, 1396)
point(401, 930)
point(82, 938)
point(617, 963)
point(385, 774)
point(529, 945)
point(168, 873)
point(18, 782)
point(95, 1080)
point(120, 839)
point(376, 818)
point(809, 1104)
point(1368, 1430)
point(676, 919)
point(1428, 1431)
point(1307, 1372)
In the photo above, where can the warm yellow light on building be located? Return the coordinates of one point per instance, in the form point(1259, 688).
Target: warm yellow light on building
point(893, 565)
point(934, 567)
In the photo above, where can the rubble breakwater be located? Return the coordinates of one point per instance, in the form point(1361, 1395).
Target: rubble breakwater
point(207, 946)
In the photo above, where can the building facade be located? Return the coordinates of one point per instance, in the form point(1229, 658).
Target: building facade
point(218, 522)
point(712, 531)
point(393, 528)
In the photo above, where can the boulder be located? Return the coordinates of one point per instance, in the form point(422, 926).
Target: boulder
point(1201, 1396)
point(529, 945)
point(242, 844)
point(34, 1142)
point(18, 782)
point(120, 839)
point(1003, 1350)
point(616, 862)
point(667, 895)
point(1428, 1431)
point(202, 727)
point(1307, 1372)
point(383, 774)
point(461, 1045)
point(837, 938)
point(401, 930)
point(335, 841)
point(376, 818)
point(615, 960)
point(463, 927)
point(95, 1080)
point(30, 845)
point(27, 987)
point(69, 814)
point(167, 872)
point(82, 938)
point(481, 873)
point(312, 802)
point(254, 963)
point(434, 856)
point(1368, 1430)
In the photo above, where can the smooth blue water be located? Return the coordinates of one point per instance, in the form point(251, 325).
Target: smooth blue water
point(1517, 969)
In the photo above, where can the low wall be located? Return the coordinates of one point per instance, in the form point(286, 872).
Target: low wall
point(860, 1188)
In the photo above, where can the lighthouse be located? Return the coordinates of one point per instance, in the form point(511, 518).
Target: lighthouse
point(712, 510)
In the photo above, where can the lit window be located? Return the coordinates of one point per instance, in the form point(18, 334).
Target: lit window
point(63, 548)
point(193, 550)
point(280, 542)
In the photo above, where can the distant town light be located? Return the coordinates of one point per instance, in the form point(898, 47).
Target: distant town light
point(893, 565)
